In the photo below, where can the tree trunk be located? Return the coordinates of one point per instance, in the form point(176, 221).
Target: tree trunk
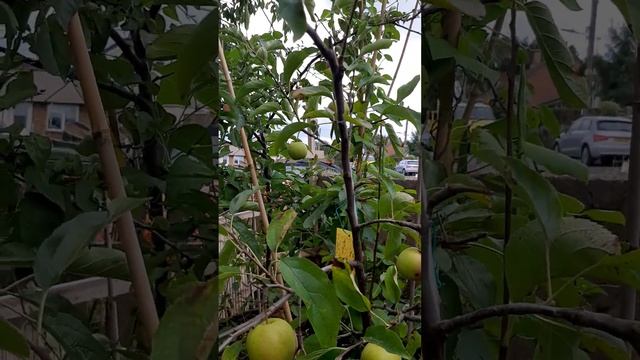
point(451, 23)
point(633, 211)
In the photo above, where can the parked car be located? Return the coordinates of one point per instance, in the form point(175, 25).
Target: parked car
point(407, 167)
point(596, 138)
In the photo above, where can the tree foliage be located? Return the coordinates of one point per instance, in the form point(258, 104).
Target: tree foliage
point(147, 57)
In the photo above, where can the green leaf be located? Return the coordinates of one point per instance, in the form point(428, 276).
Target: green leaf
point(387, 339)
point(102, 262)
point(607, 216)
point(316, 114)
point(267, 107)
point(65, 244)
point(314, 91)
point(187, 175)
point(401, 113)
point(280, 138)
point(390, 286)
point(393, 137)
point(51, 46)
point(542, 195)
point(631, 13)
point(198, 51)
point(521, 128)
point(193, 139)
point(8, 19)
point(167, 46)
point(474, 280)
point(376, 45)
point(314, 288)
point(596, 341)
point(440, 49)
point(35, 208)
point(292, 11)
point(17, 89)
point(182, 328)
point(557, 57)
point(405, 90)
point(76, 339)
point(12, 341)
point(65, 9)
point(293, 62)
point(555, 162)
point(476, 344)
point(279, 227)
point(571, 205)
point(252, 86)
point(239, 200)
point(119, 206)
point(348, 291)
point(571, 5)
point(583, 241)
point(232, 351)
point(553, 340)
point(550, 121)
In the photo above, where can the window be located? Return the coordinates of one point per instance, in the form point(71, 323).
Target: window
point(20, 114)
point(624, 126)
point(586, 124)
point(60, 114)
point(576, 124)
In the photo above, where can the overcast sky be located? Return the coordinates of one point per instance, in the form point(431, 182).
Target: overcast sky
point(607, 16)
point(410, 64)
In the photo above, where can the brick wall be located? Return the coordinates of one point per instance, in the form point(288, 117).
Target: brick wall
point(39, 121)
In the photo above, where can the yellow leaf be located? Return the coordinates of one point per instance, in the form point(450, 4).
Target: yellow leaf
point(344, 245)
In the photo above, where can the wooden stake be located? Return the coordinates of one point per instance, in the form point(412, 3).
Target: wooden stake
point(252, 170)
point(112, 177)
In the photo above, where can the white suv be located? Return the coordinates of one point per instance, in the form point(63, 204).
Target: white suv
point(408, 167)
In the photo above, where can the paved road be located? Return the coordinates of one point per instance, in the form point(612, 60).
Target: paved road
point(607, 173)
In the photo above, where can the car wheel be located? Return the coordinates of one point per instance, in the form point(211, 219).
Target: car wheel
point(585, 156)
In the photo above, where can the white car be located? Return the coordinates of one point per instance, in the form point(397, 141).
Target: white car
point(407, 167)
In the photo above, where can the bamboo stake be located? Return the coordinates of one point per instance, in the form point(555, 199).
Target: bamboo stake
point(252, 170)
point(112, 176)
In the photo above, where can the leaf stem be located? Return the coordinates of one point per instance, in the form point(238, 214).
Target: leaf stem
point(41, 309)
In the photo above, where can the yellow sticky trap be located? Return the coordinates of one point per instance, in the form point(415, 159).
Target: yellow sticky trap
point(344, 245)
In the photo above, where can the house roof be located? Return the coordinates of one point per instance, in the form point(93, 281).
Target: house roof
point(52, 89)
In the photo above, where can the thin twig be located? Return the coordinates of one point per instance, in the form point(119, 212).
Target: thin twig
point(18, 282)
point(237, 331)
point(407, 224)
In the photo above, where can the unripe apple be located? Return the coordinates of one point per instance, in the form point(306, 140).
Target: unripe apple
point(374, 352)
point(273, 339)
point(409, 263)
point(297, 150)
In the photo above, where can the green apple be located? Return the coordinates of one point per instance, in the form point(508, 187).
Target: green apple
point(273, 339)
point(409, 263)
point(297, 150)
point(374, 352)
